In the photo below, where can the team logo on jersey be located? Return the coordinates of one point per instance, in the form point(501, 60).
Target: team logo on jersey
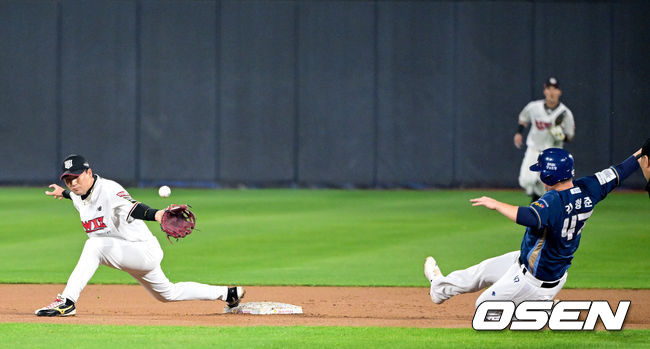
point(538, 204)
point(67, 164)
point(541, 125)
point(94, 224)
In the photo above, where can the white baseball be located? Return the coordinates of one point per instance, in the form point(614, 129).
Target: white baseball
point(164, 191)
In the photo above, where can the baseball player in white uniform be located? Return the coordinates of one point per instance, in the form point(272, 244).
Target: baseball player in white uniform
point(551, 124)
point(118, 238)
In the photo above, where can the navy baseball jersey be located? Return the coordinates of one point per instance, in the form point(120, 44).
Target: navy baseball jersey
point(548, 248)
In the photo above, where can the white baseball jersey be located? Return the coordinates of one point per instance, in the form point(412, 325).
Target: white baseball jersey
point(119, 241)
point(541, 119)
point(106, 213)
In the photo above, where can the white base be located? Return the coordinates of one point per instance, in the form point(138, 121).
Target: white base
point(263, 308)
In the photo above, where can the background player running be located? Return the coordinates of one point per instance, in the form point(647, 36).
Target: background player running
point(118, 238)
point(551, 124)
point(554, 226)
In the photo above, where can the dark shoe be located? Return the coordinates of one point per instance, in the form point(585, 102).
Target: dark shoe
point(235, 294)
point(60, 307)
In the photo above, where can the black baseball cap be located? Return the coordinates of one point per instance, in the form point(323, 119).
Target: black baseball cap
point(552, 82)
point(74, 165)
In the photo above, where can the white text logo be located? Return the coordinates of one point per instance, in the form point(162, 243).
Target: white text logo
point(534, 315)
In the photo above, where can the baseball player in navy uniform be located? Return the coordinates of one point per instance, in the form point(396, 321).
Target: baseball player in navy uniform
point(554, 225)
point(119, 238)
point(551, 124)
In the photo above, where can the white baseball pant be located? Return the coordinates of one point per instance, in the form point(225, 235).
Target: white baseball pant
point(142, 261)
point(529, 180)
point(504, 276)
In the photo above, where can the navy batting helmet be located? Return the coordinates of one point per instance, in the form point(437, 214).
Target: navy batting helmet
point(555, 165)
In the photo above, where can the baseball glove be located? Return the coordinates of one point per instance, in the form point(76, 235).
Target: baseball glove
point(177, 221)
point(557, 133)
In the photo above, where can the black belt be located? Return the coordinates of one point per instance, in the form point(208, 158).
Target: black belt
point(544, 283)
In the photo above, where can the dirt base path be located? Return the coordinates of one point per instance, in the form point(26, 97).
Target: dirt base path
point(322, 306)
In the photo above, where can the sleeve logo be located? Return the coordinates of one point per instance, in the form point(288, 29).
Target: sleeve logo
point(605, 176)
point(124, 195)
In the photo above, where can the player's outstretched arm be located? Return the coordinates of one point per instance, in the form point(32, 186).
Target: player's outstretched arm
point(644, 163)
point(146, 213)
point(629, 166)
point(57, 192)
point(159, 215)
point(643, 157)
point(505, 209)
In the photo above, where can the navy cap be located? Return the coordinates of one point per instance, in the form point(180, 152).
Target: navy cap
point(552, 82)
point(74, 165)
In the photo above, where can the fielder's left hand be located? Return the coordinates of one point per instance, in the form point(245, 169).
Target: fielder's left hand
point(57, 192)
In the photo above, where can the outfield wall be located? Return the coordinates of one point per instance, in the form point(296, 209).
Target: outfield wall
point(312, 92)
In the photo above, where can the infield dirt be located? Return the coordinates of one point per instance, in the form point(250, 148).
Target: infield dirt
point(322, 306)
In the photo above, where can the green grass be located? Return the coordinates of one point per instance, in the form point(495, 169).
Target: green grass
point(317, 237)
point(322, 237)
point(91, 336)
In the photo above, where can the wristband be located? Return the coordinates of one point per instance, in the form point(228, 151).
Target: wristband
point(144, 212)
point(520, 129)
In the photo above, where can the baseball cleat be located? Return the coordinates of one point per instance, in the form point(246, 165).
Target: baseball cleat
point(59, 307)
point(235, 294)
point(431, 270)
